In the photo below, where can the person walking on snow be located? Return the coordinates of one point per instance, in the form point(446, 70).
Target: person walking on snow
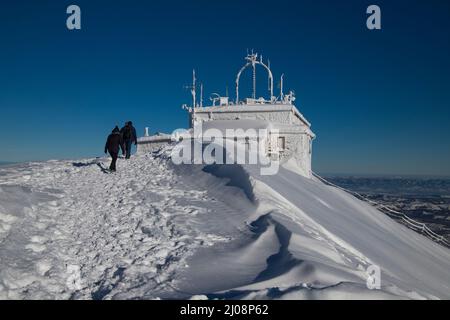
point(129, 136)
point(113, 144)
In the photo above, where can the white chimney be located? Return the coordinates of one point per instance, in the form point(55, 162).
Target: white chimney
point(146, 134)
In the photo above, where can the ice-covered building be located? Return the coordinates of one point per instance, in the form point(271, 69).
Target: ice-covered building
point(150, 143)
point(289, 134)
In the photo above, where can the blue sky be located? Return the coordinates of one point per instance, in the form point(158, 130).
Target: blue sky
point(379, 101)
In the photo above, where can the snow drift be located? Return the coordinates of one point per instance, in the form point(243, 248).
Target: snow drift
point(159, 230)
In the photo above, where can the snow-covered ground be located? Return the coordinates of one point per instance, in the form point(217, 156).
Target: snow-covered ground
point(158, 230)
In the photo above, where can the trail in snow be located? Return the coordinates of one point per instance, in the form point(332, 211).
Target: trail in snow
point(68, 230)
point(159, 230)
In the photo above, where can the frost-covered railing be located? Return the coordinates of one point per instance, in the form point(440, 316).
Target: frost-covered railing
point(410, 223)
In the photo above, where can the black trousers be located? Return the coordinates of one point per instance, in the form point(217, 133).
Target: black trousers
point(114, 156)
point(127, 144)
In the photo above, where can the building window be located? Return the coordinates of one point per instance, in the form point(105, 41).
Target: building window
point(281, 143)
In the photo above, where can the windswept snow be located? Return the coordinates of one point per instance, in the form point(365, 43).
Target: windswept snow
point(158, 230)
point(69, 230)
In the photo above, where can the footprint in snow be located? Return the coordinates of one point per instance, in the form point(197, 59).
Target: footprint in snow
point(35, 247)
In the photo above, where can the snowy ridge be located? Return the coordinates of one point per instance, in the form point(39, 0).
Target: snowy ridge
point(410, 223)
point(122, 233)
point(158, 230)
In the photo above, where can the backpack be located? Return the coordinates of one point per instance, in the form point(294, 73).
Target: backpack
point(126, 133)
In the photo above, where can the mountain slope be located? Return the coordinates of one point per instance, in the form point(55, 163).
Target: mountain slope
point(158, 230)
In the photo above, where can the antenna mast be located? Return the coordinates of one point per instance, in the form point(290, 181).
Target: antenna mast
point(252, 61)
point(193, 88)
point(201, 95)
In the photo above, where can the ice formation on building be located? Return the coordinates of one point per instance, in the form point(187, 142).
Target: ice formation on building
point(289, 134)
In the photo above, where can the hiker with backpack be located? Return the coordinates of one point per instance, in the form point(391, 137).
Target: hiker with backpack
point(129, 136)
point(113, 143)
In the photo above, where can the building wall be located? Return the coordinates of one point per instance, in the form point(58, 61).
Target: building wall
point(145, 147)
point(302, 153)
point(283, 117)
point(297, 145)
point(298, 148)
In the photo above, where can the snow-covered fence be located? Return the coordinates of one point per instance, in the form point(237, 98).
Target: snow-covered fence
point(407, 221)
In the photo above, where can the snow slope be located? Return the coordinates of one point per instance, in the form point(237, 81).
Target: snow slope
point(158, 230)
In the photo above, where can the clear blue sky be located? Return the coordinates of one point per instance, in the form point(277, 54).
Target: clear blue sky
point(379, 101)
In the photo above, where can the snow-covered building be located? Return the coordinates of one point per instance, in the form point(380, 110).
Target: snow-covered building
point(154, 142)
point(289, 134)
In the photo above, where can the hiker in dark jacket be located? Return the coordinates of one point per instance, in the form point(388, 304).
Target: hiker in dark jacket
point(129, 136)
point(113, 144)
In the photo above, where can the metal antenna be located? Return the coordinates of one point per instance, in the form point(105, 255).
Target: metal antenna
point(252, 61)
point(193, 89)
point(254, 81)
point(281, 87)
point(201, 95)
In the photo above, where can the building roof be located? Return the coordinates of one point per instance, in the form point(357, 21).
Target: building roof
point(246, 124)
point(159, 137)
point(272, 107)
